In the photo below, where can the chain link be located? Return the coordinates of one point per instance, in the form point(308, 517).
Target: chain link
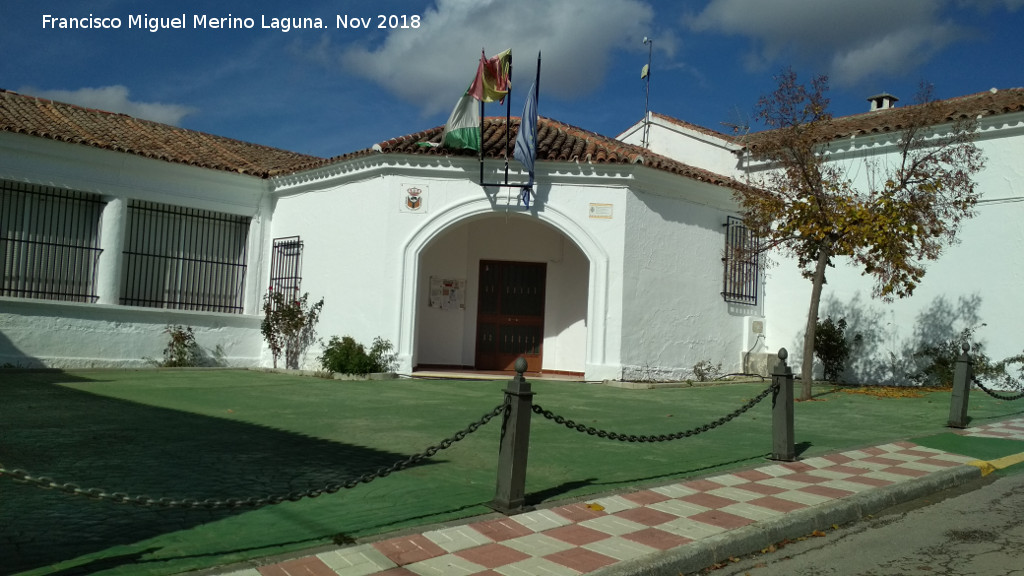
point(251, 503)
point(994, 394)
point(653, 438)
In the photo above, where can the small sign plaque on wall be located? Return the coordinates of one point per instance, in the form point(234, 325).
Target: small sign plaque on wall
point(601, 211)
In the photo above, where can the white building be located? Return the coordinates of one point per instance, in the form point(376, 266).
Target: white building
point(974, 284)
point(111, 228)
point(115, 227)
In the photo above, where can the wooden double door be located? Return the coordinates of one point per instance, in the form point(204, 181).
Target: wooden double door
point(510, 314)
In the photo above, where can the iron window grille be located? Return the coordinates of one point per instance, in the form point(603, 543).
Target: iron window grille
point(184, 258)
point(741, 263)
point(49, 242)
point(286, 267)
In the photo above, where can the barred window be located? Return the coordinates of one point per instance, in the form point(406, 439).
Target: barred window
point(49, 242)
point(286, 267)
point(183, 258)
point(741, 263)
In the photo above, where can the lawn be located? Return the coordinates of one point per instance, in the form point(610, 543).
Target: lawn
point(237, 434)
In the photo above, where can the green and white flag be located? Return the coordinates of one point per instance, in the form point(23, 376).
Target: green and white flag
point(463, 127)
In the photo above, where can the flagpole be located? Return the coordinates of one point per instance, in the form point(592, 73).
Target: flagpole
point(481, 154)
point(508, 116)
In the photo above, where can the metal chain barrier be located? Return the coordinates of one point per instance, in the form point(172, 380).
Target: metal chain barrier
point(654, 438)
point(252, 503)
point(995, 394)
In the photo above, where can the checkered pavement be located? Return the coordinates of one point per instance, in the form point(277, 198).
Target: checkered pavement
point(584, 537)
point(1009, 429)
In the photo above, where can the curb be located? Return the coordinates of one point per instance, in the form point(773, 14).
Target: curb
point(759, 535)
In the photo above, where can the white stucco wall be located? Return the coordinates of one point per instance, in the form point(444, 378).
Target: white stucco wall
point(674, 315)
point(45, 334)
point(974, 282)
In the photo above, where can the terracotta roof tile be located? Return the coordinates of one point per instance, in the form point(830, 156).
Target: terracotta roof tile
point(556, 141)
point(73, 124)
point(121, 133)
point(983, 104)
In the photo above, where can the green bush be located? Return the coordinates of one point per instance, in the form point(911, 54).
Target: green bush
point(182, 350)
point(937, 361)
point(289, 325)
point(705, 371)
point(832, 347)
point(346, 356)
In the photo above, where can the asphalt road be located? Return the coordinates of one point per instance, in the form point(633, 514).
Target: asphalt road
point(976, 532)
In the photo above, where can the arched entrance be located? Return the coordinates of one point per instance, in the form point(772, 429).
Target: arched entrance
point(446, 253)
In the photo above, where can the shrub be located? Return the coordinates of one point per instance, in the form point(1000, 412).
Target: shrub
point(346, 356)
point(289, 326)
point(832, 347)
point(182, 349)
point(938, 360)
point(705, 371)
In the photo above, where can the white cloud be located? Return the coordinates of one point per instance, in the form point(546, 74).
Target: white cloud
point(853, 39)
point(432, 65)
point(115, 99)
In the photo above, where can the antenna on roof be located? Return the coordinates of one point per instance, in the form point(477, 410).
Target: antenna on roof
point(741, 125)
point(645, 75)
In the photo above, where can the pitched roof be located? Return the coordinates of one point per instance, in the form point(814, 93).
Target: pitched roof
point(556, 141)
point(989, 103)
point(696, 128)
point(77, 125)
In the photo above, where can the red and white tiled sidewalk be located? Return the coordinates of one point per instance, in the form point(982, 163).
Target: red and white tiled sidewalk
point(584, 537)
point(1009, 429)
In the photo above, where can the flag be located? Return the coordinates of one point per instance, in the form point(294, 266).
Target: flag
point(526, 139)
point(492, 80)
point(463, 127)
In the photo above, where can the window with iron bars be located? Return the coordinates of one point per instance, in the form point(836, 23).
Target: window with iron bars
point(49, 242)
point(184, 258)
point(286, 267)
point(741, 263)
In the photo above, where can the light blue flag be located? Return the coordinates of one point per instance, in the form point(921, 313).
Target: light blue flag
point(526, 142)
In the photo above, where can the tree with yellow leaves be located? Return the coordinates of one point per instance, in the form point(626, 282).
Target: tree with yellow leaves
point(808, 207)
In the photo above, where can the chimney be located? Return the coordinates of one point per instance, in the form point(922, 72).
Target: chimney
point(882, 101)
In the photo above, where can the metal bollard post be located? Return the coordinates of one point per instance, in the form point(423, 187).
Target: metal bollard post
point(783, 446)
point(961, 390)
point(510, 494)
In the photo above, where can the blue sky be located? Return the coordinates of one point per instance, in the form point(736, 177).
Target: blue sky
point(336, 90)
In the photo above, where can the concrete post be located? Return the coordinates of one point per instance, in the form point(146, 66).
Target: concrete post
point(961, 390)
point(783, 445)
point(510, 494)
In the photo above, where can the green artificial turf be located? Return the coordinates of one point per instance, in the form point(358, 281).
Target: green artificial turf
point(223, 434)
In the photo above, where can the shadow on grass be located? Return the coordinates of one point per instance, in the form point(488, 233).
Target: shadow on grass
point(117, 445)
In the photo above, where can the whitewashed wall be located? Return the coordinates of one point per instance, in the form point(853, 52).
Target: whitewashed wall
point(973, 283)
point(44, 334)
point(674, 315)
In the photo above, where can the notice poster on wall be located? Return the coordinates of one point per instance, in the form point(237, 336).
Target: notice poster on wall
point(447, 294)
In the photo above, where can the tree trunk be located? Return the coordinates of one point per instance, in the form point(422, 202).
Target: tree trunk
point(817, 282)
